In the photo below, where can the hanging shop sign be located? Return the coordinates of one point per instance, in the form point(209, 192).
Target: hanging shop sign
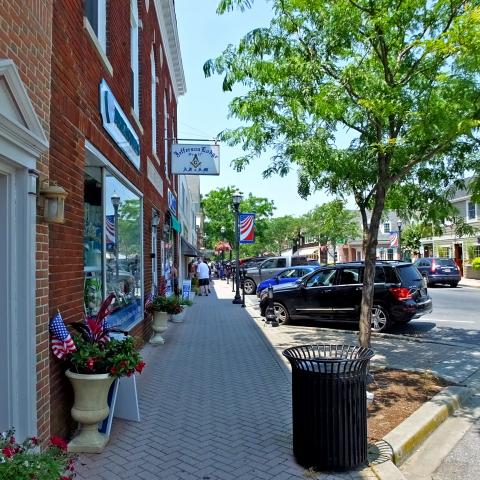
point(117, 125)
point(195, 159)
point(247, 228)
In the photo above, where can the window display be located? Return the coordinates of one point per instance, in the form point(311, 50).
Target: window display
point(112, 246)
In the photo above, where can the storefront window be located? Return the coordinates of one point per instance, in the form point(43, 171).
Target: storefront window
point(123, 253)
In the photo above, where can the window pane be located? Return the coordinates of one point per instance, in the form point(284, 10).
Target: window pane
point(471, 211)
point(281, 262)
point(91, 12)
point(349, 276)
point(124, 253)
point(379, 275)
point(322, 278)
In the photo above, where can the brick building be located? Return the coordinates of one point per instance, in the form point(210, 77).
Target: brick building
point(88, 99)
point(25, 56)
point(116, 77)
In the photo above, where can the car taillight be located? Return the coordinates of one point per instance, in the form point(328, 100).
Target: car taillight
point(401, 293)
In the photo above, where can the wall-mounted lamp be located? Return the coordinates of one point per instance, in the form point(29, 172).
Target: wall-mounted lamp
point(155, 219)
point(33, 182)
point(166, 229)
point(53, 196)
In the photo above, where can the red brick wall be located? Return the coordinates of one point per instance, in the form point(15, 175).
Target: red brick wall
point(77, 71)
point(25, 37)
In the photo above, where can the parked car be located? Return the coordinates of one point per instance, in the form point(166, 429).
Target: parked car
point(251, 261)
point(267, 269)
point(439, 270)
point(286, 276)
point(334, 293)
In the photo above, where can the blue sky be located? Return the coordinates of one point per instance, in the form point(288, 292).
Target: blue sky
point(203, 111)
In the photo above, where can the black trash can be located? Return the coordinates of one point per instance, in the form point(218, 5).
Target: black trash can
point(329, 405)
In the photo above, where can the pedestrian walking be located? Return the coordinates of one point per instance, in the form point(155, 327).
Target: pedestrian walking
point(192, 269)
point(174, 275)
point(203, 275)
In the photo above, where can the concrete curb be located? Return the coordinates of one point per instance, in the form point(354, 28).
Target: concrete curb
point(415, 429)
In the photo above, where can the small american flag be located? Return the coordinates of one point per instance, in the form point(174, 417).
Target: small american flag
point(62, 343)
point(148, 301)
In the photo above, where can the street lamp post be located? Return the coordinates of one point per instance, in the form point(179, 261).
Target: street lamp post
point(237, 197)
point(116, 202)
point(222, 230)
point(399, 224)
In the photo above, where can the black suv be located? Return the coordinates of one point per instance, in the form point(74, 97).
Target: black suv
point(335, 293)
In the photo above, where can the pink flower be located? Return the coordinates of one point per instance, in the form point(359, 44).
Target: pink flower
point(8, 452)
point(90, 363)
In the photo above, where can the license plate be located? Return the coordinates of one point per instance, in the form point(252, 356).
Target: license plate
point(447, 270)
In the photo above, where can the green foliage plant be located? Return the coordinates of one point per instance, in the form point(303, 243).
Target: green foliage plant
point(476, 263)
point(24, 461)
point(398, 81)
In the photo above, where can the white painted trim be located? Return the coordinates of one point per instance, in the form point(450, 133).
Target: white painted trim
point(106, 163)
point(30, 138)
point(98, 46)
point(167, 22)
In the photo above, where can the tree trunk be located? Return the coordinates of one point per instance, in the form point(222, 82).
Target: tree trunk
point(370, 241)
point(319, 252)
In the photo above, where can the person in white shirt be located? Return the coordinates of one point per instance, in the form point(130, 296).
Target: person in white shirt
point(203, 277)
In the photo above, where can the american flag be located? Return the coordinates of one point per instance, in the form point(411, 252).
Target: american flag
point(62, 343)
point(148, 301)
point(110, 229)
point(393, 239)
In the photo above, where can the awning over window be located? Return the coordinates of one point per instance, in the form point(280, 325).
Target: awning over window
point(188, 250)
point(175, 223)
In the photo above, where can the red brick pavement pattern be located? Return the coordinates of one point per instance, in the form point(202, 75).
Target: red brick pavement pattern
point(215, 405)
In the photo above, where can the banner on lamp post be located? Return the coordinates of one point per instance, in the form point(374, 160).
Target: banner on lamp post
point(247, 227)
point(195, 159)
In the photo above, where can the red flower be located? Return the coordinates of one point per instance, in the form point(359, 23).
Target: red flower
point(59, 443)
point(113, 371)
point(8, 452)
point(139, 367)
point(90, 363)
point(34, 440)
point(123, 364)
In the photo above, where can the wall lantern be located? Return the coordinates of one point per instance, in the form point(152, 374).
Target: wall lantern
point(155, 219)
point(53, 196)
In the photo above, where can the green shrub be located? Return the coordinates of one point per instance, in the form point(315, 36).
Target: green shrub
point(476, 263)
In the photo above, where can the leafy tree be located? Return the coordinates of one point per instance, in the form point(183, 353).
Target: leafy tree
point(218, 209)
point(280, 232)
point(129, 228)
point(332, 224)
point(401, 77)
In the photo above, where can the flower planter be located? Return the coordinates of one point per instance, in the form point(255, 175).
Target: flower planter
point(90, 407)
point(469, 272)
point(160, 325)
point(178, 317)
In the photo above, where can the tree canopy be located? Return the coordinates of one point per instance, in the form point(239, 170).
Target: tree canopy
point(400, 77)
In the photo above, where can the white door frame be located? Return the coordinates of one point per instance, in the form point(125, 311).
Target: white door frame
point(22, 141)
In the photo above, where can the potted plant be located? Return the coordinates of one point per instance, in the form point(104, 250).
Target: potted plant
point(176, 309)
point(158, 307)
point(95, 361)
point(26, 460)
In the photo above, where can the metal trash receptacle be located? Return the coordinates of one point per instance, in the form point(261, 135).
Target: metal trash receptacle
point(329, 405)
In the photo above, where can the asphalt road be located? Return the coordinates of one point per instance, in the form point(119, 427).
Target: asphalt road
point(455, 317)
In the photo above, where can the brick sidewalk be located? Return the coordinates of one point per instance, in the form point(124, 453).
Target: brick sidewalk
point(215, 405)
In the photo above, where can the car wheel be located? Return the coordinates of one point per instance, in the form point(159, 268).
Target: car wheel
point(380, 319)
point(249, 286)
point(453, 284)
point(281, 313)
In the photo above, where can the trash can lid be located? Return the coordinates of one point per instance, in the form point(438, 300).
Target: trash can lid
point(326, 353)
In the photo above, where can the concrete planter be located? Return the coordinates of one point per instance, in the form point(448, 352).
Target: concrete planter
point(179, 317)
point(90, 407)
point(469, 272)
point(192, 296)
point(159, 325)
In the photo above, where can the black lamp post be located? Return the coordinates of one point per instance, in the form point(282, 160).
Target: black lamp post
point(116, 202)
point(237, 197)
point(222, 230)
point(399, 224)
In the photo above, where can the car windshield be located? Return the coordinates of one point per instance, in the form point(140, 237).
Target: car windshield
point(290, 273)
point(409, 274)
point(444, 262)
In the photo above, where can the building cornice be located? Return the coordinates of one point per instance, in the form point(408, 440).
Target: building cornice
point(167, 22)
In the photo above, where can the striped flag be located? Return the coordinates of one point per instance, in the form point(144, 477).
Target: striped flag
point(247, 230)
point(110, 229)
point(61, 341)
point(393, 239)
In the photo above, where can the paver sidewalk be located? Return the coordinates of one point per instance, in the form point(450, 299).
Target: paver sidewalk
point(215, 405)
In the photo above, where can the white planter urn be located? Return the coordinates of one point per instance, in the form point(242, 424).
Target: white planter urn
point(89, 409)
point(178, 317)
point(192, 296)
point(159, 325)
